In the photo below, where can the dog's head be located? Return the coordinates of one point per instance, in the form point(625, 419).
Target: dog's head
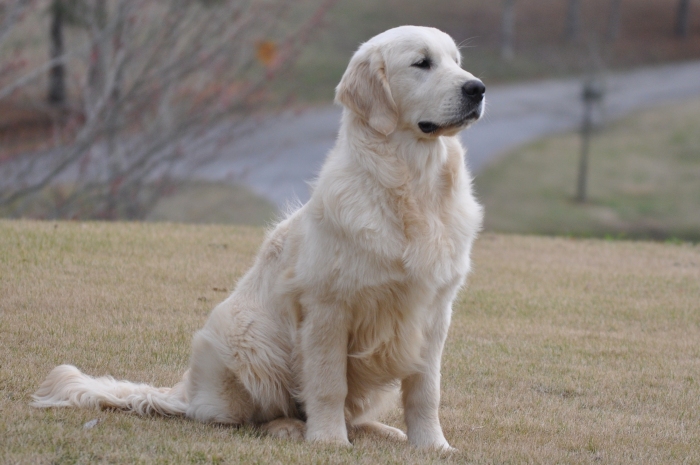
point(410, 77)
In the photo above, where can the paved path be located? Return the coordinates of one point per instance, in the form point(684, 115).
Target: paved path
point(281, 154)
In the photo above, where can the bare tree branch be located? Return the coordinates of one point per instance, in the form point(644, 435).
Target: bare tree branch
point(12, 16)
point(152, 78)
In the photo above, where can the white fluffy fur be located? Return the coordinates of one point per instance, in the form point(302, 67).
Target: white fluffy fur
point(349, 299)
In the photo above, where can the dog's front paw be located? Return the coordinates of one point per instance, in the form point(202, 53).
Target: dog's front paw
point(334, 441)
point(338, 438)
point(440, 445)
point(448, 449)
point(430, 438)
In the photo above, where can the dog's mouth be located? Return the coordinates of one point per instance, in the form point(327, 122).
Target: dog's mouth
point(429, 127)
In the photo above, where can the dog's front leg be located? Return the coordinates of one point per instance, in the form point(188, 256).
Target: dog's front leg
point(421, 391)
point(324, 341)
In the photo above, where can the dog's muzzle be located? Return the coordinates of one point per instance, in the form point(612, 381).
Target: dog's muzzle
point(471, 108)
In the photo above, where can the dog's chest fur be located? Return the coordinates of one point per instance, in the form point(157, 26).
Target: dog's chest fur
point(395, 250)
point(399, 222)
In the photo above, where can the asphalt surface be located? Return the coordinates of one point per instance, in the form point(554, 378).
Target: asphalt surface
point(276, 157)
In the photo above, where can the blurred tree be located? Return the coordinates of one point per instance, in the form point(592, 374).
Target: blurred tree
point(613, 31)
point(11, 13)
point(508, 30)
point(57, 82)
point(572, 28)
point(683, 18)
point(157, 87)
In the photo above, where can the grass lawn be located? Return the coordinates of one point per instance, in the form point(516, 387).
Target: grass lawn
point(644, 181)
point(561, 350)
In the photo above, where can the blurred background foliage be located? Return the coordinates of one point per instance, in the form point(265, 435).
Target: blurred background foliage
point(644, 169)
point(628, 33)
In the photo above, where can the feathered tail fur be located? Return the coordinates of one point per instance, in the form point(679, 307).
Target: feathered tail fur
point(66, 386)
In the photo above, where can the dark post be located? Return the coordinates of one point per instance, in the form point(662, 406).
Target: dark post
point(572, 30)
point(683, 18)
point(96, 69)
point(613, 31)
point(592, 94)
point(508, 30)
point(57, 81)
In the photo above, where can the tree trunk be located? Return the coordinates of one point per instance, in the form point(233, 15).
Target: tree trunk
point(586, 130)
point(57, 81)
point(508, 30)
point(683, 18)
point(96, 70)
point(150, 90)
point(613, 31)
point(572, 30)
point(115, 147)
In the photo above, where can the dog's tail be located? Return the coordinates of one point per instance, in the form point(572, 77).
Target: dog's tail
point(66, 386)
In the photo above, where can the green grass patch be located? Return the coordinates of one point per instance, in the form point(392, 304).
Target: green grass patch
point(560, 351)
point(643, 181)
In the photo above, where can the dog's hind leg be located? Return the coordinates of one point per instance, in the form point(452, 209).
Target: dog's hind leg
point(215, 392)
point(378, 429)
point(362, 413)
point(285, 428)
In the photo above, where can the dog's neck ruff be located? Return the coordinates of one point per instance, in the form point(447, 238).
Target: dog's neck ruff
point(395, 159)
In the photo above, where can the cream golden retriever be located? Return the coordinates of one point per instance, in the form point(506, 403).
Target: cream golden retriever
point(350, 297)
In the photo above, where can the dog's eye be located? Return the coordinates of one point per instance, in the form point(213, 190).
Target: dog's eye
point(422, 64)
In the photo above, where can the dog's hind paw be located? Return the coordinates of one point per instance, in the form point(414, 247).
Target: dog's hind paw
point(285, 428)
point(379, 429)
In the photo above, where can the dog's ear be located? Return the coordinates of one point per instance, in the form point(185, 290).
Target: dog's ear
point(365, 90)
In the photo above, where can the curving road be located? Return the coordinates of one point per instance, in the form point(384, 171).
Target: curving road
point(278, 156)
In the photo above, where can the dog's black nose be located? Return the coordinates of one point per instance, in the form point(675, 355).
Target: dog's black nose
point(474, 90)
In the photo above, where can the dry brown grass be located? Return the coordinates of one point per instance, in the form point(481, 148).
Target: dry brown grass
point(561, 350)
